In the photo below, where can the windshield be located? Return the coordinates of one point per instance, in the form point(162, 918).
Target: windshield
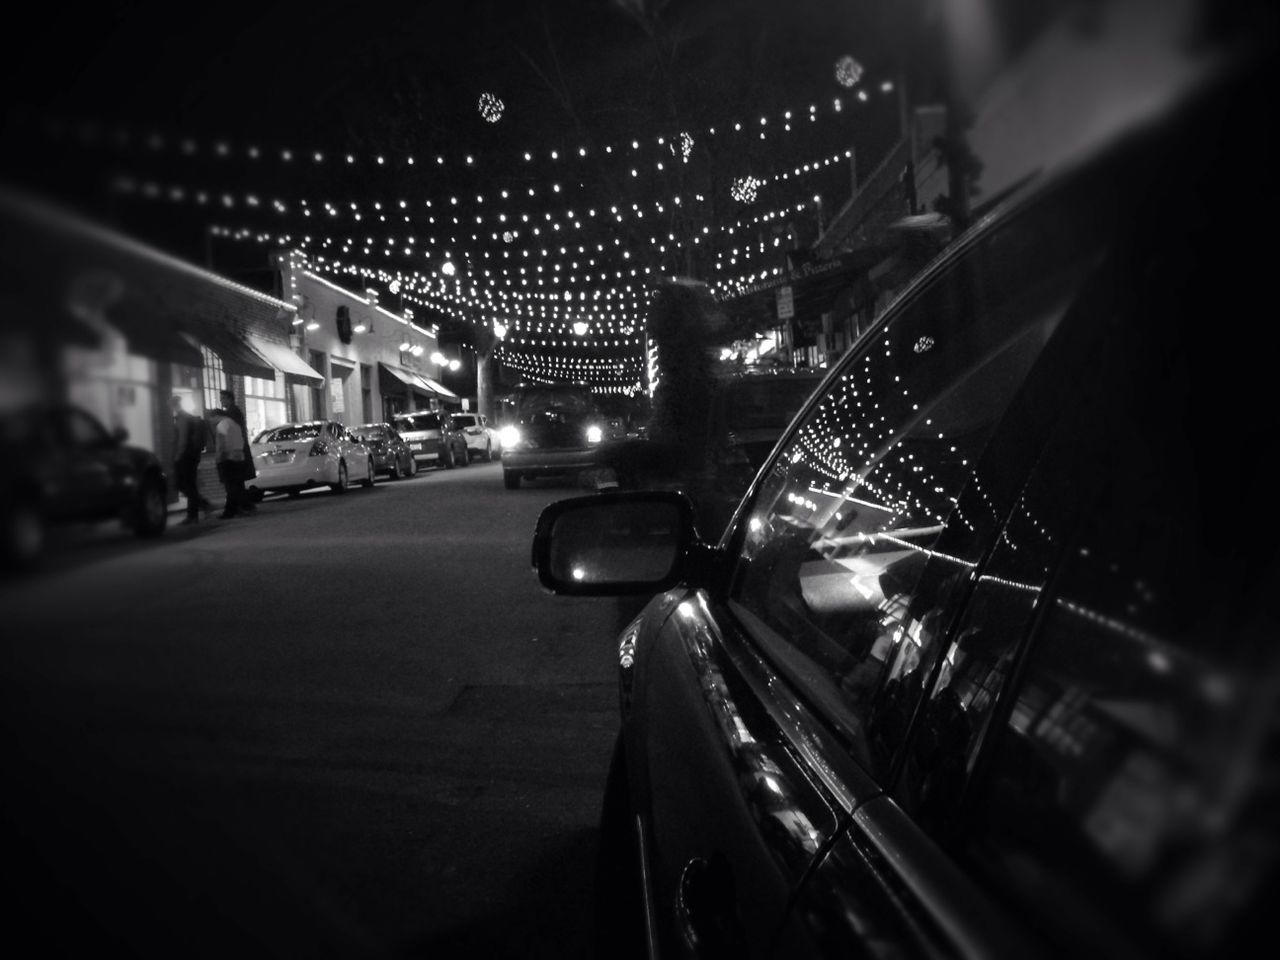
point(289, 432)
point(376, 432)
point(418, 421)
point(571, 401)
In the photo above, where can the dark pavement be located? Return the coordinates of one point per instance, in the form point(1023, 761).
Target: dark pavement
point(349, 726)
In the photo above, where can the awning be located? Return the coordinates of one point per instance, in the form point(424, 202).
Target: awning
point(236, 353)
point(397, 378)
point(149, 332)
point(286, 361)
point(437, 388)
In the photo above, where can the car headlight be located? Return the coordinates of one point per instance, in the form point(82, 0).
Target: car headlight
point(509, 436)
point(594, 434)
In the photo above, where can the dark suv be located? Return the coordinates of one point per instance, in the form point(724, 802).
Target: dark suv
point(557, 431)
point(986, 664)
point(65, 467)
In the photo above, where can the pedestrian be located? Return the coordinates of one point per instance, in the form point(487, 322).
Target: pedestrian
point(190, 436)
point(248, 470)
point(230, 458)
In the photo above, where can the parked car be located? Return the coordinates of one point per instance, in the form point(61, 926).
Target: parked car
point(986, 663)
point(483, 441)
point(433, 438)
point(557, 431)
point(298, 456)
point(64, 466)
point(391, 452)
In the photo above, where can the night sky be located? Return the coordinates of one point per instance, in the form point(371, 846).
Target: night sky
point(91, 93)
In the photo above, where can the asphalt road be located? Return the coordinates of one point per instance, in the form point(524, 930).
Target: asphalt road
point(349, 726)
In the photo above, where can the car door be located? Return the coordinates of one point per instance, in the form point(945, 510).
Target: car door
point(732, 817)
point(466, 424)
point(855, 529)
point(95, 469)
point(353, 452)
point(1065, 771)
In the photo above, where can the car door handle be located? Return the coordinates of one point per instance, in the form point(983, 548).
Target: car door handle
point(707, 908)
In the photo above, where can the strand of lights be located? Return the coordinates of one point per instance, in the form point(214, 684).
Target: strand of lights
point(629, 299)
point(121, 137)
point(512, 225)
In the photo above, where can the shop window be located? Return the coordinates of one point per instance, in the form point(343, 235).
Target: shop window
point(319, 363)
point(264, 403)
point(366, 393)
point(215, 379)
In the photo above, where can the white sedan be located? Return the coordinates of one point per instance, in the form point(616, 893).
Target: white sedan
point(318, 453)
point(483, 442)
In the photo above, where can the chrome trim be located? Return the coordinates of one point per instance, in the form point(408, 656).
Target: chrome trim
point(646, 892)
point(848, 784)
point(946, 893)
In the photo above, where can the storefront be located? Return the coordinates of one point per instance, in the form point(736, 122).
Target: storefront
point(370, 362)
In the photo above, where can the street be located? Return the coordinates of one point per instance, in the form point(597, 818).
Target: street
point(349, 726)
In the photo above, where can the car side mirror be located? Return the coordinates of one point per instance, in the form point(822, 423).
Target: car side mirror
point(119, 435)
point(611, 544)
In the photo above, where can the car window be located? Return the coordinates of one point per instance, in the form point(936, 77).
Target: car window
point(1120, 787)
point(83, 430)
point(419, 421)
point(555, 401)
point(464, 421)
point(290, 432)
point(838, 535)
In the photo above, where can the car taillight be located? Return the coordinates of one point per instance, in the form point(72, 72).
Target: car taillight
point(318, 449)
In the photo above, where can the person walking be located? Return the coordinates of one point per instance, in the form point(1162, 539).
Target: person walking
point(248, 471)
point(190, 436)
point(229, 454)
